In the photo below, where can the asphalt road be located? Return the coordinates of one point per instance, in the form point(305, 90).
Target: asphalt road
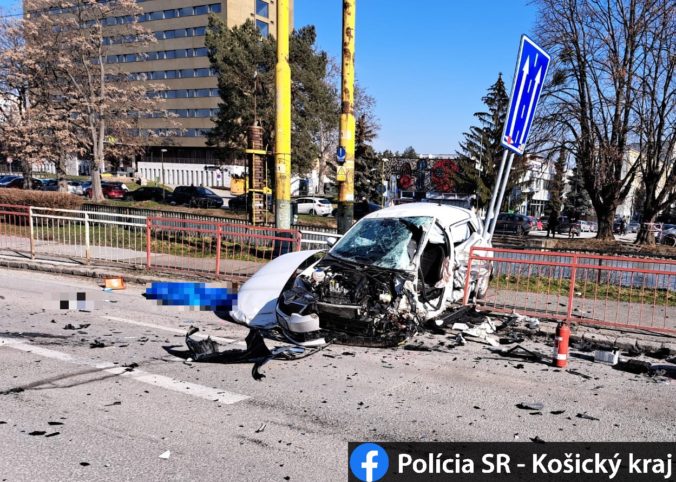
point(102, 422)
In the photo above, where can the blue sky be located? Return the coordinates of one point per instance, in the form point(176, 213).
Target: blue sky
point(427, 64)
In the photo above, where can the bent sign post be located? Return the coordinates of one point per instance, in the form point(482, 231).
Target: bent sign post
point(531, 69)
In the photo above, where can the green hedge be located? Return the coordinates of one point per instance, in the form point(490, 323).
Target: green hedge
point(43, 199)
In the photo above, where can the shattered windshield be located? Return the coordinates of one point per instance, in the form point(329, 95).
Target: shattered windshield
point(384, 242)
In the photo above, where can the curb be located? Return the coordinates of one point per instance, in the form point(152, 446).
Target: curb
point(91, 271)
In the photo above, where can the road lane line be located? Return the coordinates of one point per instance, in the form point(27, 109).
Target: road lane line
point(168, 383)
point(170, 330)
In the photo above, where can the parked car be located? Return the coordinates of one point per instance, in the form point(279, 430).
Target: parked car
point(196, 196)
point(585, 226)
point(75, 187)
point(634, 227)
point(361, 209)
point(238, 203)
point(393, 271)
point(7, 178)
point(668, 235)
point(17, 183)
point(569, 227)
point(313, 205)
point(513, 223)
point(110, 190)
point(148, 193)
point(48, 185)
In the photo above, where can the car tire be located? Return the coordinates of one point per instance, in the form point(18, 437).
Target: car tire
point(519, 231)
point(313, 212)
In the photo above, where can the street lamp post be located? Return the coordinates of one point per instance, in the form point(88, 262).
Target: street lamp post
point(162, 151)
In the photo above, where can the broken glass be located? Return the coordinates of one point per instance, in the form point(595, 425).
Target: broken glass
point(389, 243)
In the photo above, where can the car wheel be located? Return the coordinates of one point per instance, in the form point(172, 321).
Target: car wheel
point(519, 231)
point(312, 212)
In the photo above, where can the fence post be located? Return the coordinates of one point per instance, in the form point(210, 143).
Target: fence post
point(87, 241)
point(571, 291)
point(148, 226)
point(465, 298)
point(218, 250)
point(32, 231)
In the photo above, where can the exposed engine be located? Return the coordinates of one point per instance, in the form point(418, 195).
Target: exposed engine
point(357, 301)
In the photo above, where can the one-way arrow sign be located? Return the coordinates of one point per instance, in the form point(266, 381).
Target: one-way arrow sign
point(531, 69)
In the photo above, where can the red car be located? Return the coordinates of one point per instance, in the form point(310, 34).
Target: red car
point(110, 191)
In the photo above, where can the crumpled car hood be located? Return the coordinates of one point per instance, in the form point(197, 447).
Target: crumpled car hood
point(257, 298)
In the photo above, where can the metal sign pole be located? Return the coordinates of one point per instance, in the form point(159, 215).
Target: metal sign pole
point(503, 186)
point(491, 206)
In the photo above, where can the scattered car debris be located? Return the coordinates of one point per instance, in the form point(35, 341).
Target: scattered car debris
point(530, 322)
point(165, 455)
point(530, 405)
point(261, 428)
point(537, 440)
point(53, 434)
point(113, 404)
point(97, 344)
point(609, 357)
point(78, 327)
point(256, 352)
point(37, 433)
point(85, 464)
point(579, 374)
point(634, 366)
point(54, 423)
point(519, 351)
point(557, 412)
point(586, 416)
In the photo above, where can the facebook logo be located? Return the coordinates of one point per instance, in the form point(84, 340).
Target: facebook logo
point(369, 462)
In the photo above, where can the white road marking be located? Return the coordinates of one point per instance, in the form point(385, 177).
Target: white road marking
point(170, 330)
point(168, 383)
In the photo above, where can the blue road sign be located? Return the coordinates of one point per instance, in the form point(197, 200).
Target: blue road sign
point(531, 69)
point(340, 154)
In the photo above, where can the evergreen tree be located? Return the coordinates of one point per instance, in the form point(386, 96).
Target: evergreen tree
point(245, 62)
point(409, 153)
point(367, 167)
point(558, 184)
point(576, 202)
point(480, 151)
point(367, 175)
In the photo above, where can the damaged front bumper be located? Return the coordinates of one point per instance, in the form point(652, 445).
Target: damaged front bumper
point(349, 303)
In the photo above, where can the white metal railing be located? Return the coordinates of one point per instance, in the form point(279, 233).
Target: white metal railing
point(118, 238)
point(316, 238)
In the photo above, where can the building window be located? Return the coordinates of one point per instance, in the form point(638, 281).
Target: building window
point(201, 10)
point(263, 27)
point(262, 8)
point(215, 8)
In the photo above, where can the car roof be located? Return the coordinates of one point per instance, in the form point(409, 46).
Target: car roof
point(444, 212)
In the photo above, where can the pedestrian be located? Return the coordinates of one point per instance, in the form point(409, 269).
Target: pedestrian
point(573, 226)
point(623, 227)
point(552, 223)
point(539, 224)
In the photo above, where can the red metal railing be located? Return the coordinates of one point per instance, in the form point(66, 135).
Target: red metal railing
point(618, 291)
point(15, 229)
point(228, 250)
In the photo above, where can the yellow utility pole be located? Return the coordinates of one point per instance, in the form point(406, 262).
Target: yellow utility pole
point(345, 172)
point(283, 120)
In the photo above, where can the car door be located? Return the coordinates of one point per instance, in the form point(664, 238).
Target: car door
point(304, 206)
point(435, 270)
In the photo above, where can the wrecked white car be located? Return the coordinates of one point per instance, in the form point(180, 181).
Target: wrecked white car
point(392, 272)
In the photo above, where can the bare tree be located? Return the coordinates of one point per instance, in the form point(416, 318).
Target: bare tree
point(597, 47)
point(33, 128)
point(104, 104)
point(656, 112)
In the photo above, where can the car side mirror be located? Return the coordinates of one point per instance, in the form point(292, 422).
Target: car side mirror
point(330, 241)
